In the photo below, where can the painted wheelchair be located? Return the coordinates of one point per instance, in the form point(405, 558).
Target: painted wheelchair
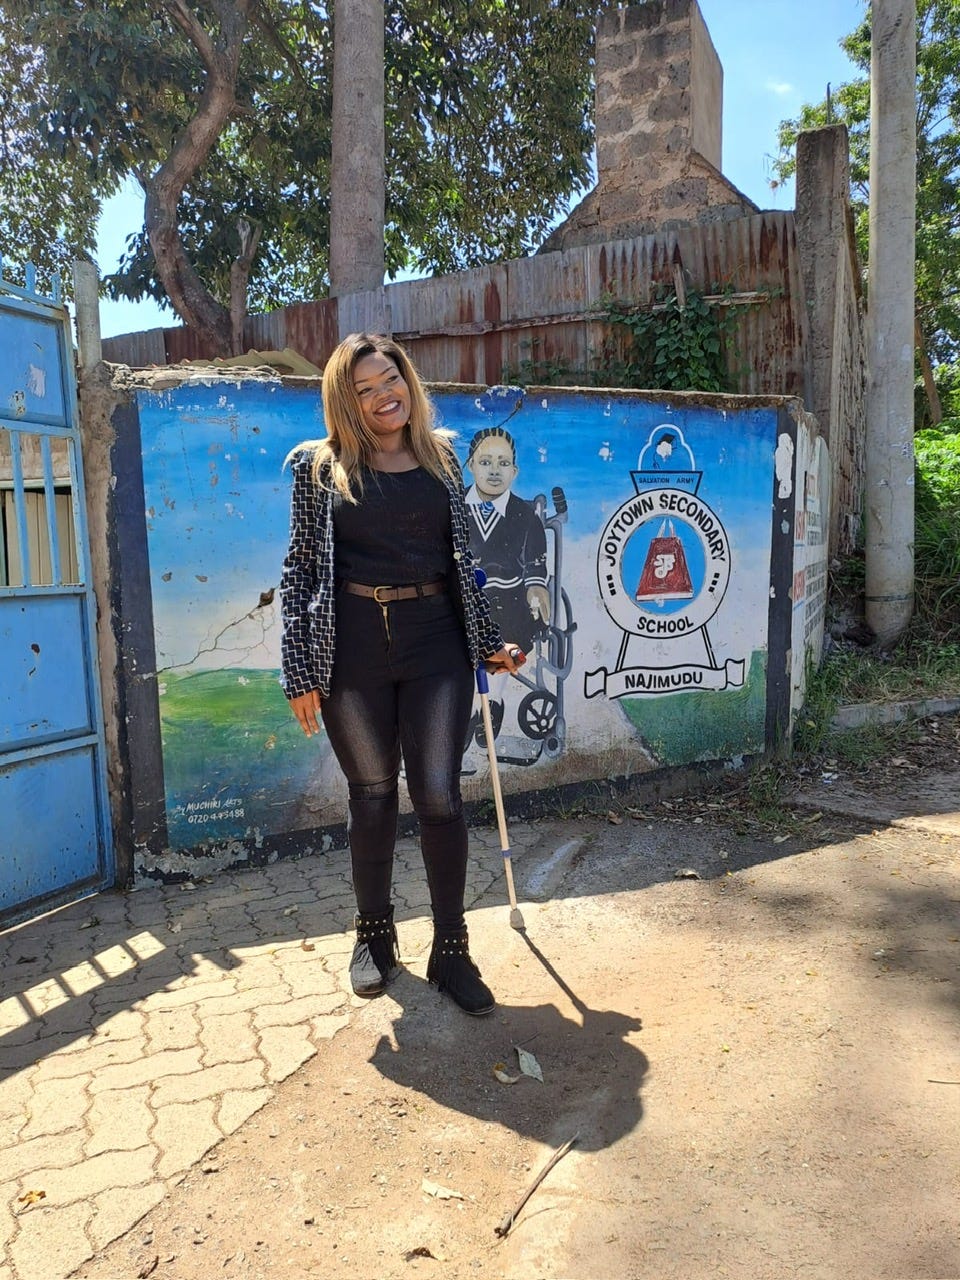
point(540, 713)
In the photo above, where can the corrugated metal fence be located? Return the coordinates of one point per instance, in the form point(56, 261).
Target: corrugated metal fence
point(488, 324)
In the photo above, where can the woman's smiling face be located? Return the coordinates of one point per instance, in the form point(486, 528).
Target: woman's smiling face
point(383, 395)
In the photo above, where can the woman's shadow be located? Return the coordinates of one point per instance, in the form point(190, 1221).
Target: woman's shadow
point(592, 1074)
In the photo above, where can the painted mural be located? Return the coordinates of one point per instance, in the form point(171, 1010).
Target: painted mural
point(626, 543)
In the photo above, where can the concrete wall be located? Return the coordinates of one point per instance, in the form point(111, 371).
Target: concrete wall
point(836, 357)
point(672, 537)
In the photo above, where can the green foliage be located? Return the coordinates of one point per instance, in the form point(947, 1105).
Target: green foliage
point(926, 661)
point(538, 368)
point(658, 346)
point(764, 804)
point(47, 209)
point(947, 380)
point(922, 666)
point(937, 545)
point(948, 388)
point(669, 346)
point(488, 132)
point(938, 161)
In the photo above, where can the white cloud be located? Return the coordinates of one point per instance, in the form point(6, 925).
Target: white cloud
point(779, 87)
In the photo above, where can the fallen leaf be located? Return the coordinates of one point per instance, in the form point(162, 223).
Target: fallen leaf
point(500, 1071)
point(148, 1269)
point(421, 1251)
point(814, 817)
point(291, 911)
point(614, 818)
point(440, 1193)
point(33, 1197)
point(307, 946)
point(528, 1064)
point(91, 923)
point(175, 928)
point(780, 839)
point(686, 873)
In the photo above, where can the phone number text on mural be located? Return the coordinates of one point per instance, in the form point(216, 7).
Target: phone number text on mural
point(200, 812)
point(219, 816)
point(695, 531)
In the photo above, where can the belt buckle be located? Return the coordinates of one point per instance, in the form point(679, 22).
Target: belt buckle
point(376, 595)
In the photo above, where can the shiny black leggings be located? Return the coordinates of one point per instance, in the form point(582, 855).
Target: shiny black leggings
point(402, 684)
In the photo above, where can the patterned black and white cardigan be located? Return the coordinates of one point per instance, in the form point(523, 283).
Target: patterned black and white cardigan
point(308, 591)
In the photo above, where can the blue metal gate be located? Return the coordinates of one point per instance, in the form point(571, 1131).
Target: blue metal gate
point(55, 838)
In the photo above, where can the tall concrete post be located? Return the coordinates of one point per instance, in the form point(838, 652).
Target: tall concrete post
point(86, 297)
point(889, 489)
point(357, 183)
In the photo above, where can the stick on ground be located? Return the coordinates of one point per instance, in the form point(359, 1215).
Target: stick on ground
point(507, 1222)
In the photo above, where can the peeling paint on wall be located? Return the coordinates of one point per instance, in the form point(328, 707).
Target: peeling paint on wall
point(783, 463)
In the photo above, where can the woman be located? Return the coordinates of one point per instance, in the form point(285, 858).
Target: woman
point(383, 626)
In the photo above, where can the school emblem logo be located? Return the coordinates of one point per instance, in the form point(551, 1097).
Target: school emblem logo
point(663, 567)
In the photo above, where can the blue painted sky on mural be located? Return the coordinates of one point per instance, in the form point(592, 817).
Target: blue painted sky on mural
point(218, 503)
point(736, 469)
point(775, 57)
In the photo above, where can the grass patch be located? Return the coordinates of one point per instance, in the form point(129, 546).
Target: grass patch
point(920, 667)
point(860, 748)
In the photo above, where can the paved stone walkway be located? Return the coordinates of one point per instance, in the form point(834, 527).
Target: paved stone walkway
point(138, 1030)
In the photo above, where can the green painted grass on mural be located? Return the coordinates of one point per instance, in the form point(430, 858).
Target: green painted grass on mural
point(707, 724)
point(234, 759)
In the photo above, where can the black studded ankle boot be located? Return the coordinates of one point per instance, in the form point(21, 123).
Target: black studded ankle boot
point(376, 955)
point(450, 969)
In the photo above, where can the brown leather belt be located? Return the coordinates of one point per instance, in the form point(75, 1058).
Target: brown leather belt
point(384, 595)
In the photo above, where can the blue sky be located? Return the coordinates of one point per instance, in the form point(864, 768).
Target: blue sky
point(775, 56)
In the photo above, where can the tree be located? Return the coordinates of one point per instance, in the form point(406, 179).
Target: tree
point(222, 112)
point(938, 171)
point(47, 215)
point(358, 171)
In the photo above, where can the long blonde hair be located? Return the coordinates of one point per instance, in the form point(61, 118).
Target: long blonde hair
point(349, 445)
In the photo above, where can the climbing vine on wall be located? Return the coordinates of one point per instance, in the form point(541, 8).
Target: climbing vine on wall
point(675, 344)
point(681, 341)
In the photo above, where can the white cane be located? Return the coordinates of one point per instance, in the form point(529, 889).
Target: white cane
point(483, 688)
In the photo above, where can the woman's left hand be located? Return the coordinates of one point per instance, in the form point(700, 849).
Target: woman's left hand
point(510, 659)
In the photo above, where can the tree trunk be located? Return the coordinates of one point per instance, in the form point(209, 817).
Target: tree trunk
point(929, 384)
point(220, 55)
point(357, 157)
point(239, 276)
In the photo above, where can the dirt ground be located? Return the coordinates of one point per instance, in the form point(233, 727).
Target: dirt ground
point(760, 1062)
